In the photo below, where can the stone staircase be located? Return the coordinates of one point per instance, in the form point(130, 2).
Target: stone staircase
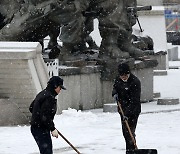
point(22, 75)
point(16, 83)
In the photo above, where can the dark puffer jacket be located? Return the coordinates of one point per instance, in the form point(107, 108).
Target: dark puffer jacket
point(128, 94)
point(43, 109)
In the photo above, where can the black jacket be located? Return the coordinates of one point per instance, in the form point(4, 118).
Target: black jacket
point(128, 94)
point(43, 109)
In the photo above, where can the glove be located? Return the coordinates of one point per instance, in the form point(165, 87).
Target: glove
point(55, 133)
point(116, 97)
point(124, 118)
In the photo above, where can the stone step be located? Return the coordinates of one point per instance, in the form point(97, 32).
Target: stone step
point(112, 107)
point(15, 70)
point(15, 81)
point(174, 67)
point(168, 101)
point(23, 96)
point(22, 105)
point(160, 72)
point(24, 109)
point(13, 86)
point(23, 101)
point(15, 76)
point(17, 90)
point(156, 94)
point(28, 114)
point(12, 65)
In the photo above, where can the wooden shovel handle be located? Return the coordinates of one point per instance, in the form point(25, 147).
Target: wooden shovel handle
point(127, 125)
point(68, 142)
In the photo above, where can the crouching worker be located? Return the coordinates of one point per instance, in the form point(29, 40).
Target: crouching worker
point(43, 110)
point(127, 91)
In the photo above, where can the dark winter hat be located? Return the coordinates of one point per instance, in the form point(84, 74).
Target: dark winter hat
point(123, 68)
point(56, 81)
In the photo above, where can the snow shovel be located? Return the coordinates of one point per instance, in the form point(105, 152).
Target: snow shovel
point(136, 150)
point(68, 142)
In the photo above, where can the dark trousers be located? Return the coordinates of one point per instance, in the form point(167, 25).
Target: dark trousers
point(43, 139)
point(132, 121)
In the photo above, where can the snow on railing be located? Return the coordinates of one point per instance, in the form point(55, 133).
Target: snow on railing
point(52, 67)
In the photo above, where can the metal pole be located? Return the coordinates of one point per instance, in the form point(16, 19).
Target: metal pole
point(127, 125)
point(141, 30)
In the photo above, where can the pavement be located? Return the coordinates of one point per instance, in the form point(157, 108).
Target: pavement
point(153, 107)
point(148, 107)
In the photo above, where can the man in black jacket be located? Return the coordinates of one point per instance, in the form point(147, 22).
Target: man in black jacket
point(43, 109)
point(127, 90)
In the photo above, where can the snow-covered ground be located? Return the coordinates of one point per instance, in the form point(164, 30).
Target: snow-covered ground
point(97, 132)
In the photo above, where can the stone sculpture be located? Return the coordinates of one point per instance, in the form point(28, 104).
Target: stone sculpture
point(29, 20)
point(32, 20)
point(26, 21)
point(116, 18)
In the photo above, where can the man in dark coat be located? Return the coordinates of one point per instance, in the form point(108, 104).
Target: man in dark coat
point(127, 90)
point(43, 110)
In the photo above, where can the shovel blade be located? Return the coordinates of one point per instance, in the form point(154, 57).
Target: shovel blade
point(142, 151)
